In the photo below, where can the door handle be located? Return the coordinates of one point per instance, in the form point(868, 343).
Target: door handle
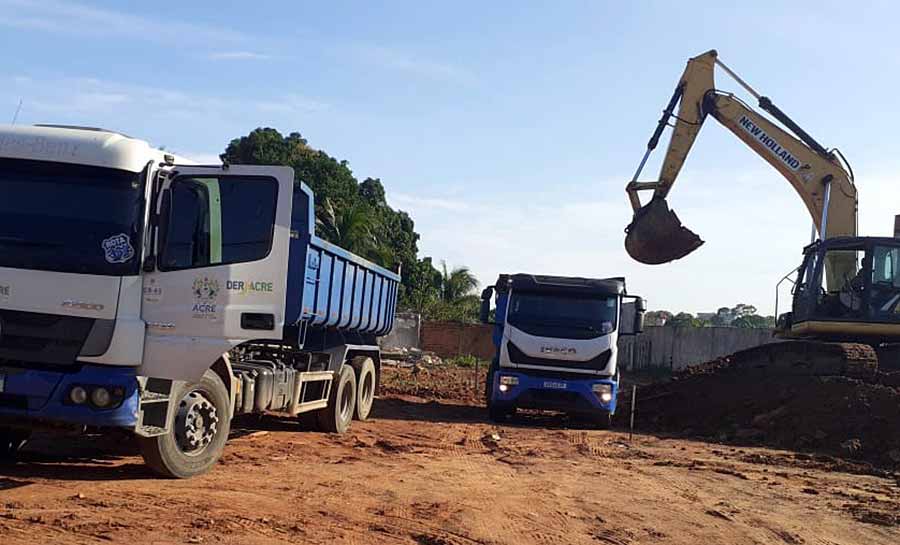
point(256, 320)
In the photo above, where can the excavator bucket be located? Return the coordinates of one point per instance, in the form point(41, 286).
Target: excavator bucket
point(656, 235)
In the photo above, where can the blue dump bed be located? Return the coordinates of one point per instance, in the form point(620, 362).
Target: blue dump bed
point(329, 287)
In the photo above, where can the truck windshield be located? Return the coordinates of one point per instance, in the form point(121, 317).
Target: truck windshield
point(70, 218)
point(558, 315)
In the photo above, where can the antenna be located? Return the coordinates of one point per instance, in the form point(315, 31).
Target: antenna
point(18, 109)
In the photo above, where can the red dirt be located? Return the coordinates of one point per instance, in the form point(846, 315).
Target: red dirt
point(429, 472)
point(856, 420)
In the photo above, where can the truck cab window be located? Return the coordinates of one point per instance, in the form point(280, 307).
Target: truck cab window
point(218, 221)
point(885, 296)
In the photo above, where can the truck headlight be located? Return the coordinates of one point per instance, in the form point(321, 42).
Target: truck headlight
point(506, 382)
point(78, 395)
point(603, 392)
point(100, 397)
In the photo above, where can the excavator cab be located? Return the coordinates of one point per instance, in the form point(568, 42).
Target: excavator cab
point(847, 288)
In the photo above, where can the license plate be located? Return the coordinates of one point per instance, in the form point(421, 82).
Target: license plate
point(555, 385)
point(2, 383)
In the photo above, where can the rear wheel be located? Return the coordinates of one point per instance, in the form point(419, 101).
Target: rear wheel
point(365, 386)
point(197, 435)
point(337, 416)
point(11, 441)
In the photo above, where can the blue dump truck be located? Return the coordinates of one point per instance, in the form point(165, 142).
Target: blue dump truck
point(556, 343)
point(172, 298)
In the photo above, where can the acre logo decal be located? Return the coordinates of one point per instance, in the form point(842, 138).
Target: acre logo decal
point(206, 292)
point(5, 290)
point(244, 287)
point(773, 146)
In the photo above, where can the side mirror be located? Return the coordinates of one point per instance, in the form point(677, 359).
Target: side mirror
point(485, 314)
point(640, 307)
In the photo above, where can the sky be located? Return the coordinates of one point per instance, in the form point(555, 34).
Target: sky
point(507, 130)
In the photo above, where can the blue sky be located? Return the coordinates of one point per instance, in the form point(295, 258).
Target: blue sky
point(507, 129)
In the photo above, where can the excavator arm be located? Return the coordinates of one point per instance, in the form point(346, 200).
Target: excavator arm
point(655, 235)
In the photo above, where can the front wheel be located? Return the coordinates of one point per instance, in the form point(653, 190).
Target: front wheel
point(11, 442)
point(197, 434)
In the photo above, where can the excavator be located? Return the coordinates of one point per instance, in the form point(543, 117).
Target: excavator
point(845, 315)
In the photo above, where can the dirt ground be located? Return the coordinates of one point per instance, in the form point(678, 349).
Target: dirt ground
point(435, 472)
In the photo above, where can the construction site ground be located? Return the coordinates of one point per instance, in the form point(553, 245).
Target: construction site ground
point(430, 469)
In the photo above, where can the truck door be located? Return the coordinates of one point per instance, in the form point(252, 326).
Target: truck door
point(218, 270)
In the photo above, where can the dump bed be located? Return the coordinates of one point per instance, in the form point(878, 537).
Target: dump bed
point(329, 287)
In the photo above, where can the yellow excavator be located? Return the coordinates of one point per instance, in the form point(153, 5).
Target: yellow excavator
point(845, 314)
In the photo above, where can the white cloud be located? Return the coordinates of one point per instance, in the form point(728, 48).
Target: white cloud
point(406, 62)
point(70, 18)
point(754, 227)
point(90, 97)
point(238, 56)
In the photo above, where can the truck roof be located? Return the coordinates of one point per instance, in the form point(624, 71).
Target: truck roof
point(573, 284)
point(78, 145)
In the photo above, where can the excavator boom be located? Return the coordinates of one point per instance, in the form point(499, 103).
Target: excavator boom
point(656, 235)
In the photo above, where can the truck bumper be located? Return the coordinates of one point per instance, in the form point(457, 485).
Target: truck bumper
point(554, 394)
point(32, 396)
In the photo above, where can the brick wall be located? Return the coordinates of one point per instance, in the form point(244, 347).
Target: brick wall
point(448, 339)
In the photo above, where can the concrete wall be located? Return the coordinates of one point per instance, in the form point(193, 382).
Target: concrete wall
point(679, 347)
point(668, 347)
point(405, 334)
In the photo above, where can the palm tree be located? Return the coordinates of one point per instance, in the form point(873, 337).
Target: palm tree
point(350, 228)
point(456, 284)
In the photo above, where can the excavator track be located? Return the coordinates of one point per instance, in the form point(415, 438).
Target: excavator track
point(808, 358)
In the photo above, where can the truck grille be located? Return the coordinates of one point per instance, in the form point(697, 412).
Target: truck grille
point(595, 364)
point(42, 338)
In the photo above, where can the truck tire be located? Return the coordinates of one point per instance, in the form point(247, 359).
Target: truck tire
point(365, 386)
point(11, 441)
point(337, 416)
point(500, 413)
point(197, 435)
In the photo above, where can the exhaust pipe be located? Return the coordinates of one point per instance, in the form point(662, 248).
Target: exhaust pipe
point(656, 235)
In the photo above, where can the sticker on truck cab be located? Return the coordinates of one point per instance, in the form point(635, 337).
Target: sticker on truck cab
point(118, 248)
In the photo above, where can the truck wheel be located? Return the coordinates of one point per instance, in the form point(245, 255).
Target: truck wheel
point(365, 386)
point(196, 437)
point(341, 402)
point(500, 413)
point(11, 441)
point(602, 421)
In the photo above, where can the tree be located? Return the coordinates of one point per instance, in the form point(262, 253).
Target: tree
point(683, 319)
point(457, 283)
point(742, 309)
point(754, 321)
point(350, 228)
point(657, 317)
point(353, 215)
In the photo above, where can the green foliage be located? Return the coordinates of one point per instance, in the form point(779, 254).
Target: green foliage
point(457, 283)
point(685, 319)
point(356, 217)
point(467, 360)
point(353, 215)
point(657, 317)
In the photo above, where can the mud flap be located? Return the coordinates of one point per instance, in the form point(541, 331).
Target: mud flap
point(656, 235)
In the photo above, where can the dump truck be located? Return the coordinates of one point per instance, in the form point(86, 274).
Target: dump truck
point(556, 341)
point(141, 292)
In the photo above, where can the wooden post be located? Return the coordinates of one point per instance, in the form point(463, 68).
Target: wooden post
point(633, 402)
